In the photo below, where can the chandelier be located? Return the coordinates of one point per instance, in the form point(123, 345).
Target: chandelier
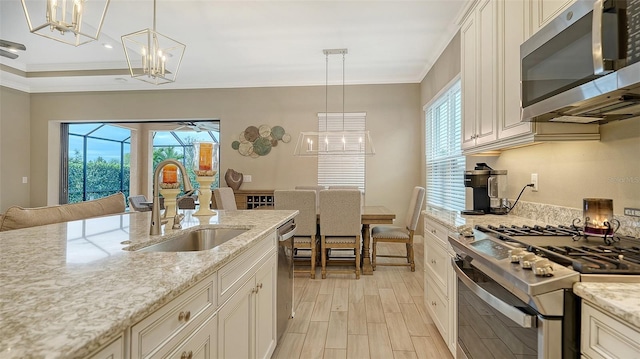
point(151, 56)
point(334, 143)
point(73, 22)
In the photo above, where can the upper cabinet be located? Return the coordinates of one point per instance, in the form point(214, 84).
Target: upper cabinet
point(479, 70)
point(543, 11)
point(491, 35)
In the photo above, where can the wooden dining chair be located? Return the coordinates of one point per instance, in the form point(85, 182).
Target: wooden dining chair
point(225, 199)
point(340, 225)
point(136, 203)
point(397, 234)
point(306, 236)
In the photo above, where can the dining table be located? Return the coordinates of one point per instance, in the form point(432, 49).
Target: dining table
point(372, 215)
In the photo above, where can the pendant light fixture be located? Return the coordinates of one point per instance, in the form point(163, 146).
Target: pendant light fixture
point(334, 143)
point(151, 56)
point(73, 22)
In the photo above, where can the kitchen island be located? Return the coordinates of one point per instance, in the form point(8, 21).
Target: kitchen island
point(70, 288)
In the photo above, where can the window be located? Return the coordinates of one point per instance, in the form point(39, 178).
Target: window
point(95, 161)
point(445, 162)
point(179, 145)
point(341, 170)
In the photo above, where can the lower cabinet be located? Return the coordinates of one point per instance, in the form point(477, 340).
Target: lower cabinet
point(114, 350)
point(229, 314)
point(604, 336)
point(247, 326)
point(440, 284)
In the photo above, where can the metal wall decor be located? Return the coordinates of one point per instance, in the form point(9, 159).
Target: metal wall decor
point(258, 141)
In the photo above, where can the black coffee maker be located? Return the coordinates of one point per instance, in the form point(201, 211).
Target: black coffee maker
point(478, 179)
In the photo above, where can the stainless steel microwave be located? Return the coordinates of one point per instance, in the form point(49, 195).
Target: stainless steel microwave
point(584, 66)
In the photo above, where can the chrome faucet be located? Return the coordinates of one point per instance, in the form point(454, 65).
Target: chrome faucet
point(155, 209)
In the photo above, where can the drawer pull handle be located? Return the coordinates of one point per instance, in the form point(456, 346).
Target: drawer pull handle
point(433, 261)
point(186, 355)
point(433, 303)
point(184, 316)
point(259, 287)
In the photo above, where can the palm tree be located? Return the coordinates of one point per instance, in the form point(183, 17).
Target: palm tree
point(163, 153)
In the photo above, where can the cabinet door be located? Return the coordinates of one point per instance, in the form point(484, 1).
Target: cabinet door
point(235, 324)
point(487, 75)
point(468, 67)
point(265, 301)
point(512, 33)
point(543, 11)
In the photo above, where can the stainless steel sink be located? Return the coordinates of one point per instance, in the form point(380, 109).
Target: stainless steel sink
point(198, 240)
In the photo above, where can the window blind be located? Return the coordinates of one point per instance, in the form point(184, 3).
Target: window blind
point(445, 162)
point(343, 170)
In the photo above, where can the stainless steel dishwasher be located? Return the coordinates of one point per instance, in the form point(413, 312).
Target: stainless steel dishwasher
point(285, 293)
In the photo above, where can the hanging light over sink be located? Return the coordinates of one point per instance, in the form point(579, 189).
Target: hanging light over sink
point(73, 22)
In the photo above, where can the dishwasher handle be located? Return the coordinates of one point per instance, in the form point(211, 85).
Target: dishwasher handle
point(522, 319)
point(284, 236)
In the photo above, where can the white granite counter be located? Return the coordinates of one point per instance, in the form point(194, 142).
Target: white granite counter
point(67, 289)
point(619, 299)
point(453, 219)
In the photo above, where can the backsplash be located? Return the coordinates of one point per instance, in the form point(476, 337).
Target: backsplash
point(556, 215)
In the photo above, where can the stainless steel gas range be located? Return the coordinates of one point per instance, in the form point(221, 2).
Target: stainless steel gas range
point(515, 284)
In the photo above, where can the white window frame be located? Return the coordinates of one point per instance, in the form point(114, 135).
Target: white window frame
point(445, 163)
point(341, 170)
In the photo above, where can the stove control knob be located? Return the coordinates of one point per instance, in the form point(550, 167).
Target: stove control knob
point(542, 267)
point(527, 260)
point(516, 253)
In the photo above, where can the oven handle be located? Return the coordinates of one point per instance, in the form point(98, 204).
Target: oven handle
point(522, 319)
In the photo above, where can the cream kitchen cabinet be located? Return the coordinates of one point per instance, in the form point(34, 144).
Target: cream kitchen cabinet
point(440, 284)
point(247, 326)
point(604, 336)
point(543, 11)
point(491, 35)
point(479, 75)
point(170, 327)
point(113, 350)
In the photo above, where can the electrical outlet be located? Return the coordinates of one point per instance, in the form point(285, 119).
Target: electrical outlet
point(534, 180)
point(634, 212)
point(246, 178)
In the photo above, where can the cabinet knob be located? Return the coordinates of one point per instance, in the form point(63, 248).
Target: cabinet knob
point(184, 316)
point(186, 355)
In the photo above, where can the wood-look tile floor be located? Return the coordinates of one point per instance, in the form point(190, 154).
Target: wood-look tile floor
point(380, 316)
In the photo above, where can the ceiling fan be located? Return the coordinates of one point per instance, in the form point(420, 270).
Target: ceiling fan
point(13, 48)
point(197, 126)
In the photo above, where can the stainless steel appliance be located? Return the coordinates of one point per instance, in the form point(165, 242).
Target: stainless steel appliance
point(497, 189)
point(583, 66)
point(285, 295)
point(515, 287)
point(488, 188)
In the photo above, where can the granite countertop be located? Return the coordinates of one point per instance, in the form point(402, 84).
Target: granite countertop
point(453, 219)
point(69, 288)
point(619, 299)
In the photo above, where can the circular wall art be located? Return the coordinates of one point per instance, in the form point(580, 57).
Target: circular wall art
point(258, 141)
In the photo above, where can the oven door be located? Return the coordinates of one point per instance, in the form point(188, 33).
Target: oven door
point(494, 323)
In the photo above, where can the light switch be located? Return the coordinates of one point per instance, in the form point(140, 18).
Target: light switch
point(25, 180)
point(246, 178)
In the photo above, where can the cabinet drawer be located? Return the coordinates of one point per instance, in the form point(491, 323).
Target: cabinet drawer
point(437, 263)
point(436, 231)
point(438, 308)
point(604, 336)
point(199, 345)
point(186, 311)
point(114, 350)
point(233, 275)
